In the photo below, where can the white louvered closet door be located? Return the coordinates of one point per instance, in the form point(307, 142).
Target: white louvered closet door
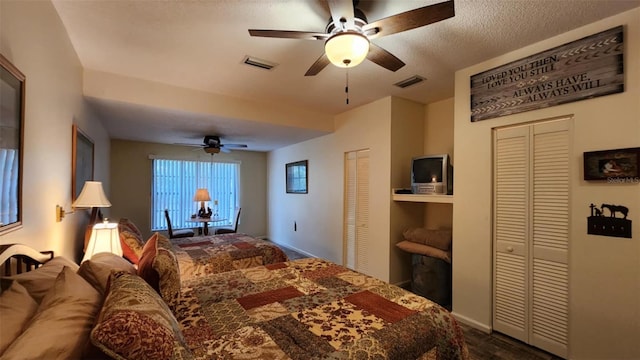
point(511, 210)
point(356, 212)
point(550, 238)
point(531, 234)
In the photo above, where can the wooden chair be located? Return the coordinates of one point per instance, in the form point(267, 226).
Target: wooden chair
point(182, 233)
point(230, 230)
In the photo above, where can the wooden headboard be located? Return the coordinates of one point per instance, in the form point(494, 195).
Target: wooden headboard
point(18, 258)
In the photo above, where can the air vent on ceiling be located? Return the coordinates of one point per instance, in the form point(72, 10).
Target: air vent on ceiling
point(410, 81)
point(259, 63)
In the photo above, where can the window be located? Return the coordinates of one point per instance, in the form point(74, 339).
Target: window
point(175, 182)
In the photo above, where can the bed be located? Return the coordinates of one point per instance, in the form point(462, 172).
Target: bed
point(212, 254)
point(302, 309)
point(312, 308)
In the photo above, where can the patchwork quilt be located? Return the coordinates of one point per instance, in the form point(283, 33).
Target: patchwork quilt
point(215, 254)
point(312, 309)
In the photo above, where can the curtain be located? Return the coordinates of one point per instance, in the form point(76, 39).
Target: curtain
point(9, 186)
point(175, 183)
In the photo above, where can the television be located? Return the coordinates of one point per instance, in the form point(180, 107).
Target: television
point(432, 174)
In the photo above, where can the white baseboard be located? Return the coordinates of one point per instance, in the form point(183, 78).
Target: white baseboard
point(290, 247)
point(474, 324)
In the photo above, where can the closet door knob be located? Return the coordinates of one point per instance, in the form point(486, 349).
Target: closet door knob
point(510, 248)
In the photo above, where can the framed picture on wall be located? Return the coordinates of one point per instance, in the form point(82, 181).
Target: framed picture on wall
point(296, 177)
point(612, 164)
point(81, 162)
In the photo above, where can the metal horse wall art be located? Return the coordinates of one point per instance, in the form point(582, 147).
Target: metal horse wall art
point(600, 224)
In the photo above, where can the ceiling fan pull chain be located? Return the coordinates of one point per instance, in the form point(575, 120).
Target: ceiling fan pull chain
point(346, 88)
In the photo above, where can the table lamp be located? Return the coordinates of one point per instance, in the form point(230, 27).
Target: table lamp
point(202, 195)
point(104, 238)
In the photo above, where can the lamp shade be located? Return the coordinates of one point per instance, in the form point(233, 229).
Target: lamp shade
point(104, 238)
point(202, 195)
point(347, 49)
point(92, 195)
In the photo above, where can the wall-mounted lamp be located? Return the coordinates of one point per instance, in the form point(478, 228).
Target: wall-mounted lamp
point(60, 213)
point(91, 196)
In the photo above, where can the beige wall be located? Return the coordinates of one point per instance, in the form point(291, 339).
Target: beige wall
point(131, 182)
point(438, 139)
point(380, 126)
point(318, 214)
point(407, 124)
point(33, 38)
point(604, 272)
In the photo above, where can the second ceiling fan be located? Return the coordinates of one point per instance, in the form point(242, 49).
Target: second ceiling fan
point(348, 35)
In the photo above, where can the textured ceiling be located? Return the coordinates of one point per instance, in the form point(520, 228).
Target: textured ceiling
point(201, 45)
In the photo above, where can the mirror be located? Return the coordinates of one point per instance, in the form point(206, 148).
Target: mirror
point(11, 140)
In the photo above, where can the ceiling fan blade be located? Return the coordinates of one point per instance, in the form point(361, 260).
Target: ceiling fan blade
point(341, 9)
point(192, 145)
point(384, 58)
point(410, 19)
point(317, 66)
point(289, 34)
point(234, 145)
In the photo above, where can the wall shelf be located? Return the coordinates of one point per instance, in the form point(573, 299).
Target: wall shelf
point(433, 198)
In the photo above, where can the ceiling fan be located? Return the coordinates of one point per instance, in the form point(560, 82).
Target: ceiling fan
point(348, 35)
point(212, 145)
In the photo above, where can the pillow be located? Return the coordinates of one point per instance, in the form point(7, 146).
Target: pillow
point(440, 239)
point(415, 248)
point(96, 270)
point(135, 323)
point(127, 225)
point(159, 268)
point(40, 280)
point(132, 245)
point(62, 324)
point(17, 308)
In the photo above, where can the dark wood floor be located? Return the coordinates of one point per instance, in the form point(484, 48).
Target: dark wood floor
point(497, 346)
point(481, 345)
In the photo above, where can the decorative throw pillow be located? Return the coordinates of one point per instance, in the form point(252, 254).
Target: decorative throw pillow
point(422, 249)
point(134, 312)
point(40, 280)
point(440, 239)
point(17, 308)
point(97, 270)
point(127, 225)
point(132, 245)
point(61, 326)
point(158, 266)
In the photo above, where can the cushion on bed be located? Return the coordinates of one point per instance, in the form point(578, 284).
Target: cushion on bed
point(422, 249)
point(96, 271)
point(61, 326)
point(125, 224)
point(39, 281)
point(17, 308)
point(132, 245)
point(135, 323)
point(159, 268)
point(440, 239)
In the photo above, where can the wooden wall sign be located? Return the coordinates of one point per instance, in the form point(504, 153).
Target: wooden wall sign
point(579, 70)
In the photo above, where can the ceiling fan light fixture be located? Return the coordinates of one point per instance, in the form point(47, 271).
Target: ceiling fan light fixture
point(347, 49)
